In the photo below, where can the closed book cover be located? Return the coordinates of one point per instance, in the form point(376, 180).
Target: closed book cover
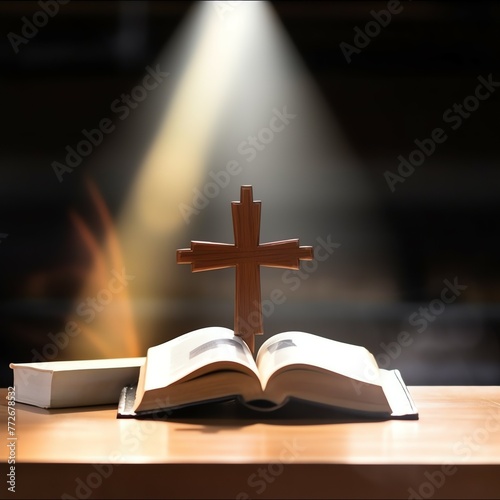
point(64, 384)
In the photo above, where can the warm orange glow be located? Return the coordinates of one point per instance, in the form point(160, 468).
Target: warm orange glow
point(110, 332)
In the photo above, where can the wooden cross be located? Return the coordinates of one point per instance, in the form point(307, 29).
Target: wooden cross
point(247, 255)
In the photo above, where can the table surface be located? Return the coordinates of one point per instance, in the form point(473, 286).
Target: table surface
point(457, 425)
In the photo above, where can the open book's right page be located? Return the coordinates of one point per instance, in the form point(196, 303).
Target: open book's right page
point(290, 348)
point(353, 362)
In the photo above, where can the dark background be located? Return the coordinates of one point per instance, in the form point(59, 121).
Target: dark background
point(443, 220)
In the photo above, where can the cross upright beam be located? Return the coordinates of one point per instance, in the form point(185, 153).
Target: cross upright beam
point(246, 255)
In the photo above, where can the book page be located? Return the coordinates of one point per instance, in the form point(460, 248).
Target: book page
point(305, 349)
point(194, 354)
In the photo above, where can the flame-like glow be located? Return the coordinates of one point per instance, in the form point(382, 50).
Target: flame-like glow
point(110, 332)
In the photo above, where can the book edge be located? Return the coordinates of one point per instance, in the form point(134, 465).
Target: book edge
point(65, 366)
point(412, 414)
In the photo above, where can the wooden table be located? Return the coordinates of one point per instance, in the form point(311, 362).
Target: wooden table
point(453, 451)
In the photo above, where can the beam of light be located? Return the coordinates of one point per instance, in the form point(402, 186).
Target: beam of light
point(227, 79)
point(179, 155)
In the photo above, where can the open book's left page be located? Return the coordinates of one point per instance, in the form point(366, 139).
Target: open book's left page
point(195, 354)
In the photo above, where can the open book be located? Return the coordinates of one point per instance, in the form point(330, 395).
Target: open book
point(212, 364)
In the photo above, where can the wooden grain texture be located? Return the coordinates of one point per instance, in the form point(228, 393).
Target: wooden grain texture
point(305, 457)
point(246, 255)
